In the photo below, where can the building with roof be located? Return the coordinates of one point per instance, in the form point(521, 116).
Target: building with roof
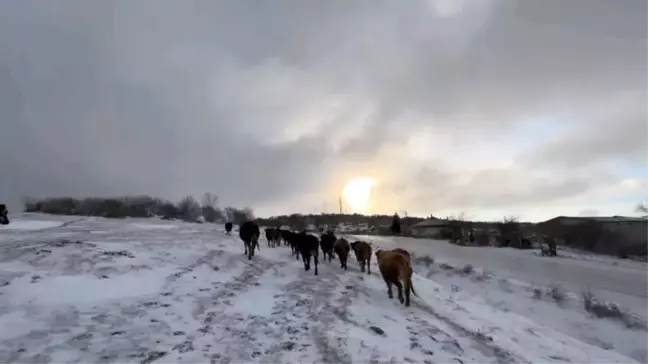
point(632, 228)
point(430, 228)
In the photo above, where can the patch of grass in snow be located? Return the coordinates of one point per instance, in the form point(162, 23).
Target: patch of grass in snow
point(610, 310)
point(555, 293)
point(446, 266)
point(425, 260)
point(558, 294)
point(120, 253)
point(467, 269)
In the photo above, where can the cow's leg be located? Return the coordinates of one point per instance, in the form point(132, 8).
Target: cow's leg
point(315, 261)
point(368, 266)
point(390, 294)
point(399, 285)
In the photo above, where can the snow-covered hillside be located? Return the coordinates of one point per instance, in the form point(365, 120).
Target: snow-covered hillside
point(97, 290)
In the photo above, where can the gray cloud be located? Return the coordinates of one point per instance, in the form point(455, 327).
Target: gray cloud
point(604, 137)
point(263, 103)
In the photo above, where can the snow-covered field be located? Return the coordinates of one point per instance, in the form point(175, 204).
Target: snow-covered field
point(137, 290)
point(523, 282)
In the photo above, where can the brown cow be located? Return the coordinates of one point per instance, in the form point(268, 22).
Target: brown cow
point(341, 247)
point(405, 253)
point(277, 237)
point(394, 268)
point(362, 252)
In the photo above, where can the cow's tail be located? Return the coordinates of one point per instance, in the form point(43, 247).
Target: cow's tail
point(407, 275)
point(411, 286)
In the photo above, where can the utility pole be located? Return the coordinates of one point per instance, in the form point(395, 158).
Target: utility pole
point(340, 203)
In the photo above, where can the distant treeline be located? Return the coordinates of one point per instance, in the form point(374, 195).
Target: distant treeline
point(297, 221)
point(188, 209)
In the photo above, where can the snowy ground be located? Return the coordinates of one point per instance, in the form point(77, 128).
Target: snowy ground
point(551, 299)
point(96, 290)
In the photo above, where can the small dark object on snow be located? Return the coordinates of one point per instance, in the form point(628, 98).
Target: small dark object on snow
point(288, 345)
point(152, 356)
point(377, 330)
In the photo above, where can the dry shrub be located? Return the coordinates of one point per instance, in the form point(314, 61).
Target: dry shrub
point(558, 294)
point(509, 229)
point(467, 269)
point(425, 260)
point(601, 309)
point(484, 276)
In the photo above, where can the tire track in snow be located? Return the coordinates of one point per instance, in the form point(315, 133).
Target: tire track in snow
point(302, 313)
point(309, 299)
point(210, 312)
point(483, 343)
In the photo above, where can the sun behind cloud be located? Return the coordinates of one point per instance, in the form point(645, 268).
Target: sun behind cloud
point(357, 193)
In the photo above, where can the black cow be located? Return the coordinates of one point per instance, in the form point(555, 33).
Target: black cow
point(293, 241)
point(249, 233)
point(274, 237)
point(308, 246)
point(286, 235)
point(228, 228)
point(4, 218)
point(326, 244)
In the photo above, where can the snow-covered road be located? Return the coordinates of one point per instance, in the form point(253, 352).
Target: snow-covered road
point(98, 290)
point(623, 281)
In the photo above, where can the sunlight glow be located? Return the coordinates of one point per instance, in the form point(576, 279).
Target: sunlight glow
point(357, 193)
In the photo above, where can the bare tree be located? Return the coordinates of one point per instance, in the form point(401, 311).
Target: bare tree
point(189, 209)
point(396, 225)
point(509, 230)
point(248, 213)
point(209, 199)
point(210, 210)
point(238, 216)
point(642, 207)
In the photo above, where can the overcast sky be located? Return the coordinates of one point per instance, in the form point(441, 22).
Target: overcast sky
point(529, 108)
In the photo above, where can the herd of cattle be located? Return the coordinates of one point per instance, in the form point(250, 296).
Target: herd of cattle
point(395, 265)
